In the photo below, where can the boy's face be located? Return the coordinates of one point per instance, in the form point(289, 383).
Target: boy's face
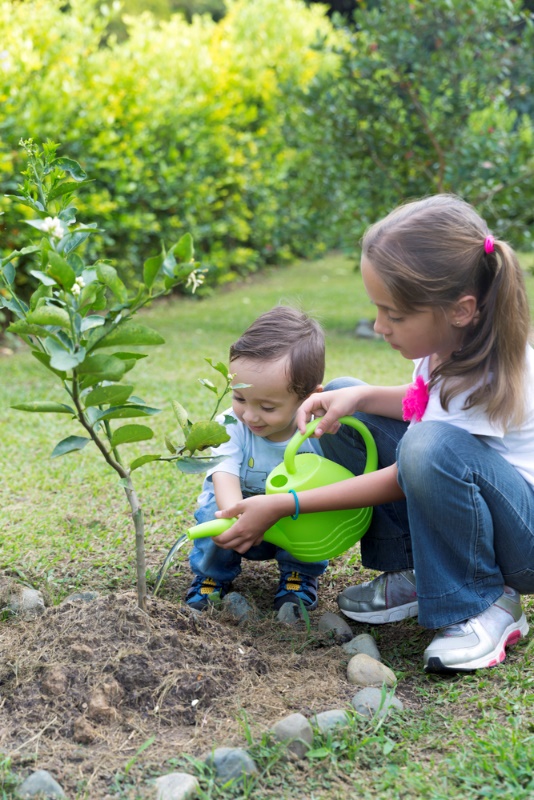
point(266, 407)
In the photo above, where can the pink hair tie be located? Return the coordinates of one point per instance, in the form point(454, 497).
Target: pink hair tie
point(489, 244)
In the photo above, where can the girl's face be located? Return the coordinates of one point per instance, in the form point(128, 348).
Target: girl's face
point(425, 332)
point(266, 406)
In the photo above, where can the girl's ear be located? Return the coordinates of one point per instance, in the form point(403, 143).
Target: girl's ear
point(464, 311)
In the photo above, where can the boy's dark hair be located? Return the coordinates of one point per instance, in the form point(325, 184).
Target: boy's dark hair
point(285, 331)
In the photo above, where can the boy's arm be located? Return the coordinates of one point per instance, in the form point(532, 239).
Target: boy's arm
point(227, 489)
point(257, 514)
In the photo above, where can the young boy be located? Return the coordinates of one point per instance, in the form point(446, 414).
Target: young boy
point(280, 358)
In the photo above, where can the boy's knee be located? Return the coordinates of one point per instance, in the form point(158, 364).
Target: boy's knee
point(342, 383)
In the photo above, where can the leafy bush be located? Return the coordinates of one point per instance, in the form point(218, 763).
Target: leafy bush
point(431, 104)
point(194, 126)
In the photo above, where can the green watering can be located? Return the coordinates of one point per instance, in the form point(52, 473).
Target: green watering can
point(311, 537)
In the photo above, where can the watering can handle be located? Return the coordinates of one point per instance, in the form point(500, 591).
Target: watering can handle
point(297, 440)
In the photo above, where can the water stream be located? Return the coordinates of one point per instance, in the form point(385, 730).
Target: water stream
point(179, 543)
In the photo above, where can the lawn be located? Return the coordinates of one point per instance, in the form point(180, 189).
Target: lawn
point(66, 528)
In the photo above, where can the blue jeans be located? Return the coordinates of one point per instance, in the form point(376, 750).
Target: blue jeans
point(209, 560)
point(466, 526)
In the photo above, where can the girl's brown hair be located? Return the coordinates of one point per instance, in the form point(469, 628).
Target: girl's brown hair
point(285, 331)
point(431, 252)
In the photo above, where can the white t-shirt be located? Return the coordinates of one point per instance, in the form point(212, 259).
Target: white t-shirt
point(250, 457)
point(516, 445)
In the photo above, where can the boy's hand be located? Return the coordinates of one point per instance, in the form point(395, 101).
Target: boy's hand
point(255, 516)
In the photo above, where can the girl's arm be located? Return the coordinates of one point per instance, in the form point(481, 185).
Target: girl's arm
point(384, 401)
point(257, 514)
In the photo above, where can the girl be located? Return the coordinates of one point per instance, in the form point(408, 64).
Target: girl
point(453, 526)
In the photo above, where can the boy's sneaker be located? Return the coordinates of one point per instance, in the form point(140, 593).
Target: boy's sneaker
point(293, 587)
point(388, 598)
point(480, 641)
point(201, 590)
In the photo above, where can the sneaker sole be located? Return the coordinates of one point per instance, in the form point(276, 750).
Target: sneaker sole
point(382, 617)
point(511, 636)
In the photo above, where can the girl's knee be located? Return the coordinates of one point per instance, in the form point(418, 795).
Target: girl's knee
point(421, 449)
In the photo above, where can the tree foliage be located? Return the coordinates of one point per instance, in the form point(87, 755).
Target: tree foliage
point(432, 103)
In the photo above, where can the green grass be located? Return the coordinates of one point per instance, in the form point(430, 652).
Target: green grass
point(66, 526)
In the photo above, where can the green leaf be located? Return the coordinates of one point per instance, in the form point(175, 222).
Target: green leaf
point(219, 366)
point(128, 411)
point(61, 270)
point(208, 384)
point(169, 444)
point(195, 465)
point(70, 166)
point(62, 359)
point(151, 268)
point(23, 328)
point(9, 273)
point(182, 417)
point(102, 368)
point(138, 462)
point(108, 276)
point(103, 395)
point(131, 433)
point(92, 321)
point(68, 445)
point(205, 434)
point(130, 333)
point(43, 277)
point(184, 250)
point(49, 315)
point(45, 406)
point(67, 187)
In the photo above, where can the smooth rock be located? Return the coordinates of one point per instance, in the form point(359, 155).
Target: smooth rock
point(296, 732)
point(364, 643)
point(362, 670)
point(236, 605)
point(40, 784)
point(289, 614)
point(326, 720)
point(336, 625)
point(26, 602)
point(81, 597)
point(374, 702)
point(176, 786)
point(231, 763)
point(365, 329)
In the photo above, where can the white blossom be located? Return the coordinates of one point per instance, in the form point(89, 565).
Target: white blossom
point(54, 226)
point(80, 282)
point(76, 289)
point(194, 280)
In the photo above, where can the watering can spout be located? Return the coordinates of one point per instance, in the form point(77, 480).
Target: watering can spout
point(311, 537)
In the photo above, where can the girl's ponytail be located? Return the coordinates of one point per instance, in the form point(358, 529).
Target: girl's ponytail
point(500, 337)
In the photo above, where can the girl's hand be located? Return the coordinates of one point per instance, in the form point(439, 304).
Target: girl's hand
point(255, 516)
point(331, 406)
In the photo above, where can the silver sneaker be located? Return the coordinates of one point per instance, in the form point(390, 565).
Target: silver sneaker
point(480, 641)
point(388, 598)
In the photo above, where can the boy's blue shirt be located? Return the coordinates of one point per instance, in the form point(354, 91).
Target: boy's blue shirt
point(250, 457)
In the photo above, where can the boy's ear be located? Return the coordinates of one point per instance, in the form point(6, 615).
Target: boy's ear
point(318, 388)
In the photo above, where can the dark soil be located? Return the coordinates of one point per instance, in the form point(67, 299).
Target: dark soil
point(87, 684)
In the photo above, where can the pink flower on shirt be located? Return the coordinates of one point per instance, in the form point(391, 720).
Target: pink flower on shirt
point(415, 401)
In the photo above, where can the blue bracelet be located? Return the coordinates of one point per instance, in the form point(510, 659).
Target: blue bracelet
point(297, 509)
